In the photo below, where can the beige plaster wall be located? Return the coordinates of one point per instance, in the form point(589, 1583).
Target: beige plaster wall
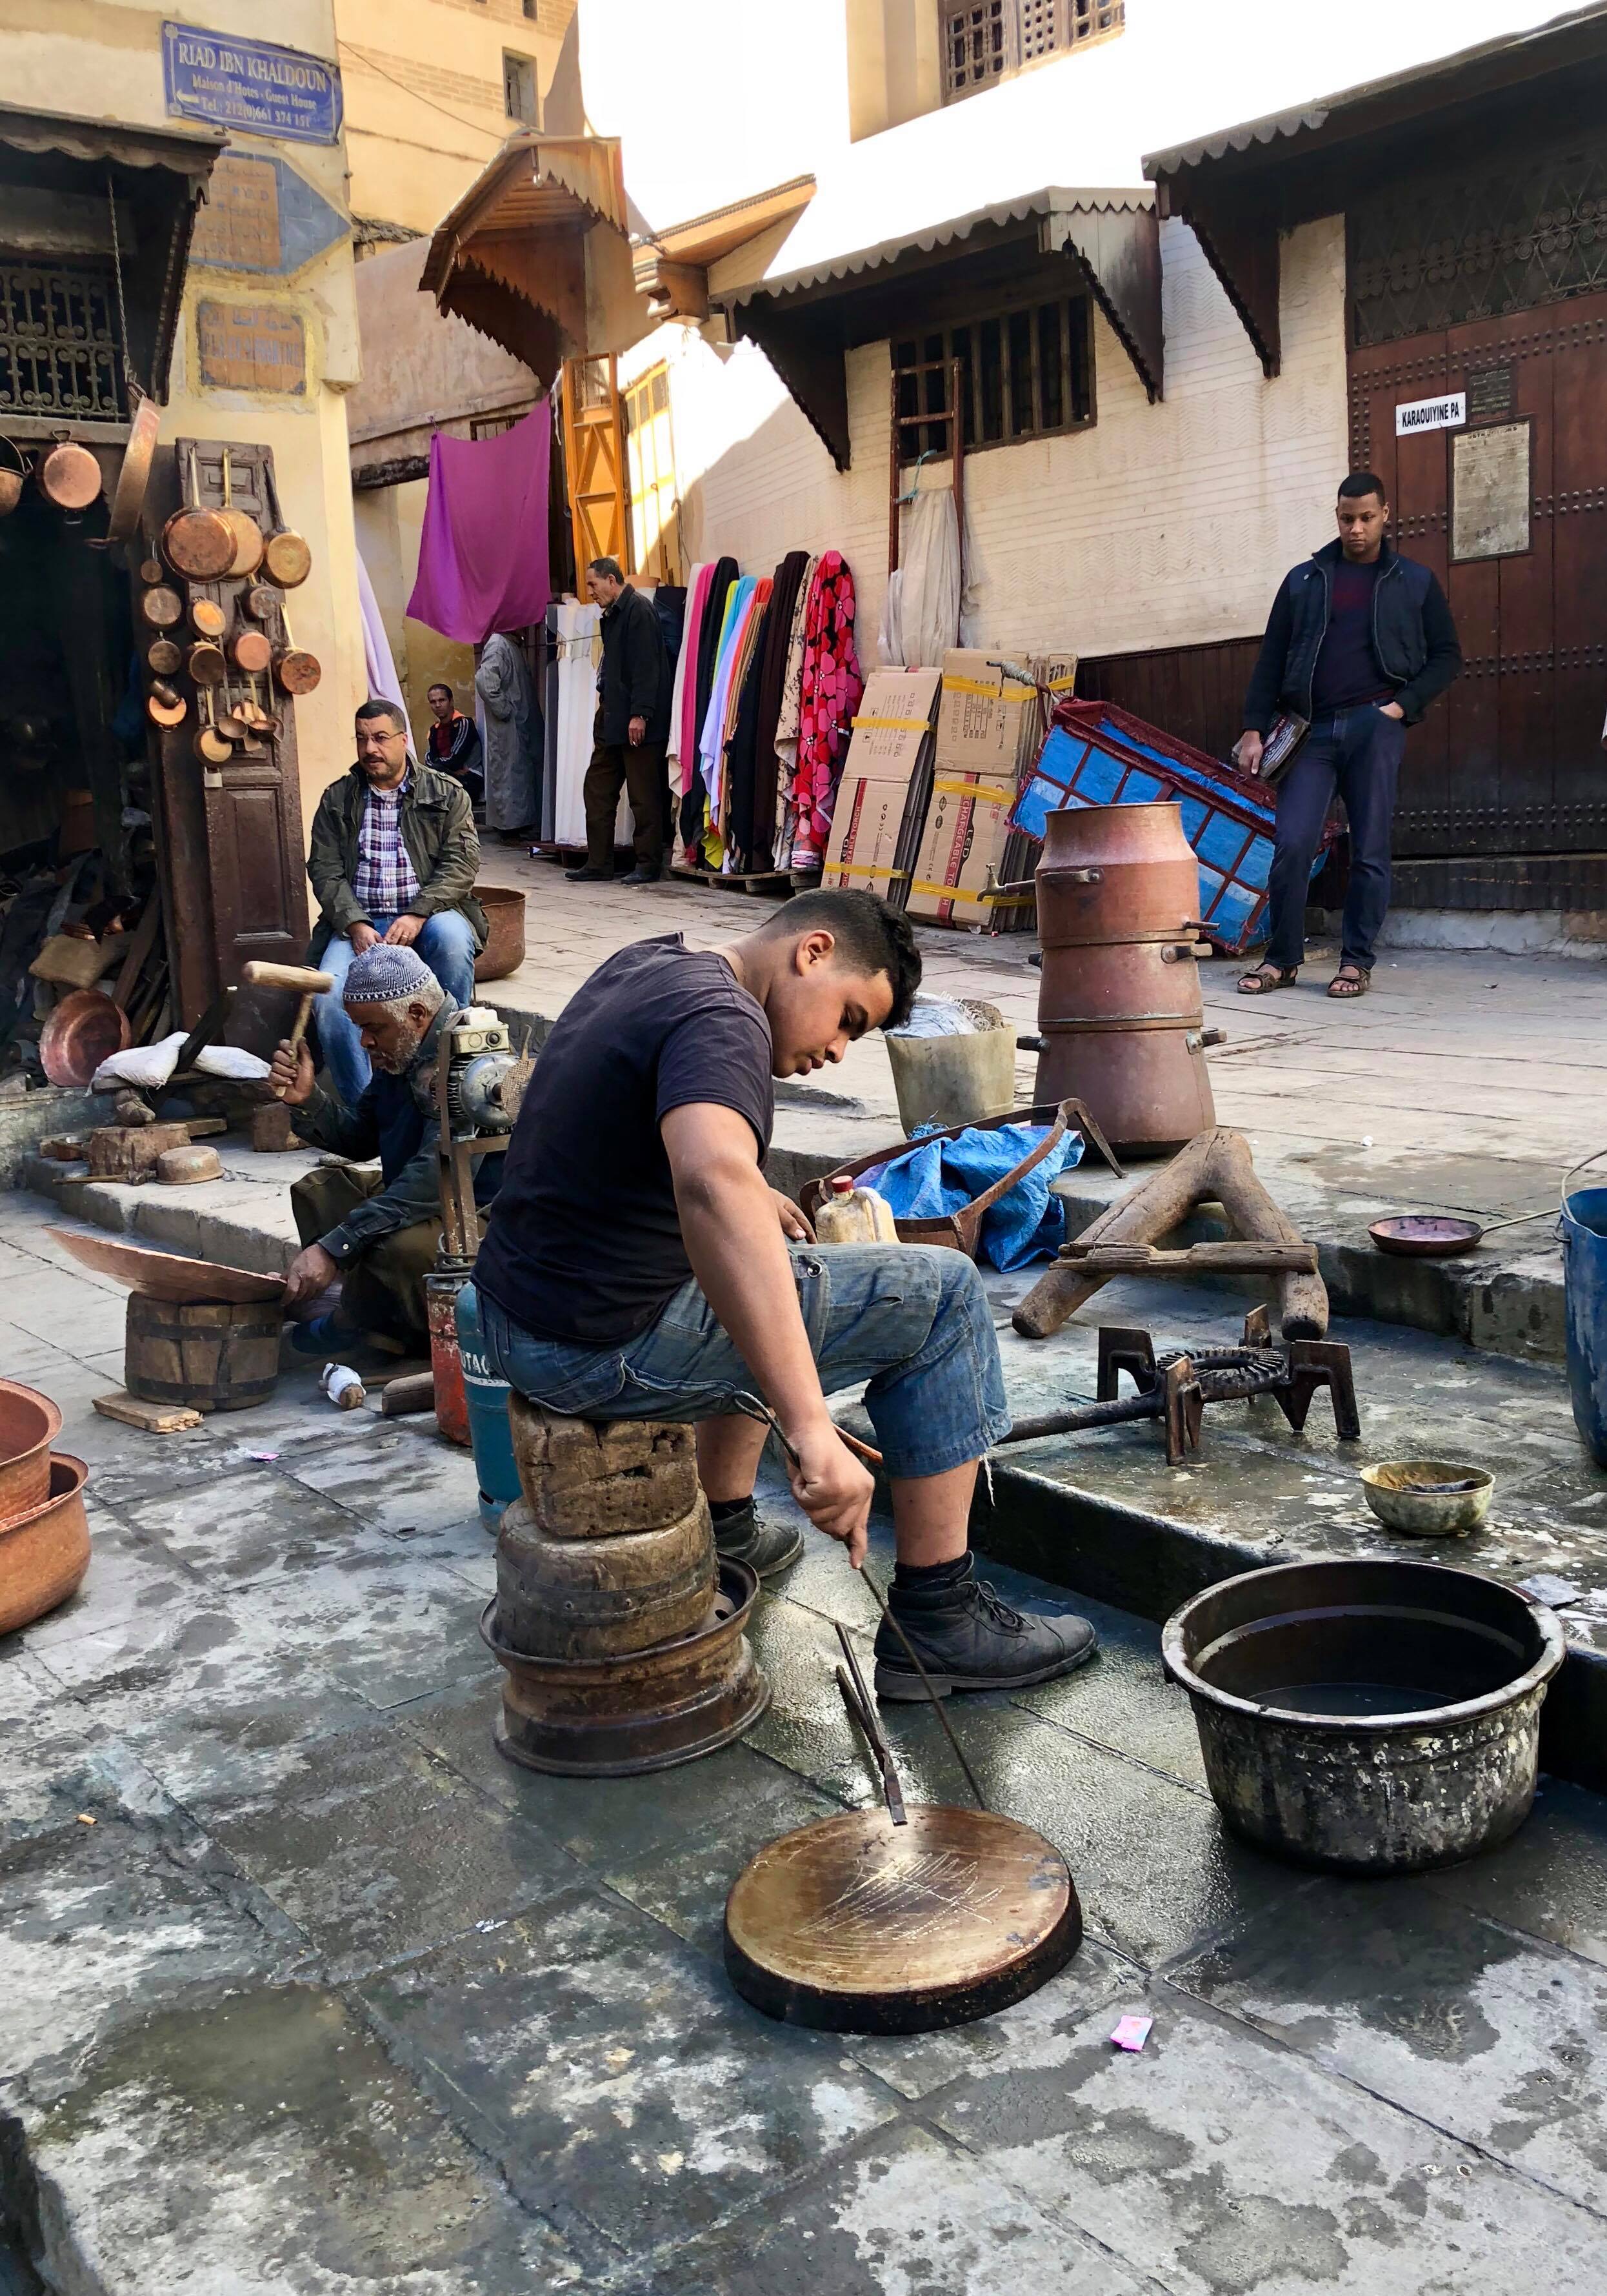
point(1163, 525)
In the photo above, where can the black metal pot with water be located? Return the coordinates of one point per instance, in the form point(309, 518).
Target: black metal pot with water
point(1367, 1717)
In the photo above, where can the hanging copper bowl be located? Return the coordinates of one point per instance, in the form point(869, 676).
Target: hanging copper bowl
point(242, 526)
point(207, 618)
point(208, 664)
point(195, 542)
point(163, 659)
point(11, 481)
point(84, 1030)
point(162, 607)
point(251, 651)
point(70, 476)
point(262, 601)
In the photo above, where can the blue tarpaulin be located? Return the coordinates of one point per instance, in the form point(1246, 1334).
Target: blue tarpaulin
point(938, 1176)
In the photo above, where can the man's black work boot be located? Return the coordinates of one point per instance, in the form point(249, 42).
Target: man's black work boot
point(968, 1639)
point(740, 1536)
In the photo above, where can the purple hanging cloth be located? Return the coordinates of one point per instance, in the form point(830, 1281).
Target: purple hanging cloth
point(483, 553)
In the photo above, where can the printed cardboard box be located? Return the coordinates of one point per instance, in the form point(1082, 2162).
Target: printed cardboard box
point(885, 777)
point(966, 834)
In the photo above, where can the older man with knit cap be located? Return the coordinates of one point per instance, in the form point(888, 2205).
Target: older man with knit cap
point(377, 1234)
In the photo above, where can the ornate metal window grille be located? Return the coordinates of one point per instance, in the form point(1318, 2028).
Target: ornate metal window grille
point(988, 39)
point(1440, 251)
point(1024, 373)
point(59, 348)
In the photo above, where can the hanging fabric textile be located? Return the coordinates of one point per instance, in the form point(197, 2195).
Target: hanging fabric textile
point(753, 798)
point(711, 624)
point(786, 722)
point(378, 664)
point(697, 591)
point(575, 629)
point(921, 619)
point(711, 740)
point(740, 710)
point(483, 552)
point(829, 694)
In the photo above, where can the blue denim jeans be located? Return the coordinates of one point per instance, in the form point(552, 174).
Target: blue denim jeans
point(446, 945)
point(1357, 752)
point(914, 1321)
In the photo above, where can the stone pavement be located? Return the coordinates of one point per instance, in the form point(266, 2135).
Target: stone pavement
point(330, 2001)
point(1466, 1082)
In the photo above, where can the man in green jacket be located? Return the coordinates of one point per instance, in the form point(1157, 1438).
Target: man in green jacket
point(393, 858)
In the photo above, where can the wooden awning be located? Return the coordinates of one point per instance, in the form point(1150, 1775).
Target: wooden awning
point(537, 253)
point(672, 265)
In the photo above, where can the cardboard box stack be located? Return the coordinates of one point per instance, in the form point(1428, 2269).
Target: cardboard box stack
point(989, 734)
point(886, 776)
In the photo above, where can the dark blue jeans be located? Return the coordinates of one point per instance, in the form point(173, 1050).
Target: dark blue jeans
point(1357, 752)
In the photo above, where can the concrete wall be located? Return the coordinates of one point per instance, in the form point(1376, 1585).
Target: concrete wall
point(424, 108)
point(1164, 525)
point(102, 60)
point(425, 372)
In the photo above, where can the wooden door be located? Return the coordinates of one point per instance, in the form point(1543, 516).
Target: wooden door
point(1509, 764)
point(594, 446)
point(231, 833)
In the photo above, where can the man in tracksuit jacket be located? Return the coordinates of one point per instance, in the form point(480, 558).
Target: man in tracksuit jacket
point(1359, 642)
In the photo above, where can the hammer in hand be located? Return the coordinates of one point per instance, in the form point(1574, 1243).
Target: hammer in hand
point(311, 984)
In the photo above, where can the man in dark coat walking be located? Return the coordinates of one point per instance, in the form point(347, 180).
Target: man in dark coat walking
point(632, 729)
point(1359, 642)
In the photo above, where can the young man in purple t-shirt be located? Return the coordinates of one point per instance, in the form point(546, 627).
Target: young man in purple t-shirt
point(1359, 642)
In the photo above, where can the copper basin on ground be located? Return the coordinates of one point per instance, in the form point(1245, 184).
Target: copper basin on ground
point(45, 1553)
point(29, 1423)
point(505, 948)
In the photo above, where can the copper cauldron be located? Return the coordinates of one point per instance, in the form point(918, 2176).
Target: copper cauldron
point(1119, 1010)
point(1115, 873)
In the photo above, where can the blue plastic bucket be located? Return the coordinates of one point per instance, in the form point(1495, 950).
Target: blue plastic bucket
point(491, 1436)
point(1585, 1292)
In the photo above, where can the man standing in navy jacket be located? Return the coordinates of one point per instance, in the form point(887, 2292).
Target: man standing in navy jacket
point(631, 731)
point(1359, 642)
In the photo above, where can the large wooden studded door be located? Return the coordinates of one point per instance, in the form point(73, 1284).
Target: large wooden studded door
point(593, 447)
point(236, 864)
point(1504, 792)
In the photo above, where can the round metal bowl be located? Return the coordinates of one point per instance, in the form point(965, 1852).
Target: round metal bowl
point(1401, 1494)
point(45, 1553)
point(29, 1423)
point(505, 948)
point(1367, 1718)
point(1425, 1236)
point(84, 1030)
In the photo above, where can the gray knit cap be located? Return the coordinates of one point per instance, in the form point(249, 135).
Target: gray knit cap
point(384, 975)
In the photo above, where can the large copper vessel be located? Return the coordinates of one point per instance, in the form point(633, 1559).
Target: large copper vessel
point(1120, 1011)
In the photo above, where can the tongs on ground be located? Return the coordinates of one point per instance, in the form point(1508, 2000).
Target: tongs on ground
point(857, 1698)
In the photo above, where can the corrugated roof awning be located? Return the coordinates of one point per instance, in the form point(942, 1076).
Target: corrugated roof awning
point(1112, 237)
point(158, 177)
point(537, 254)
point(1238, 187)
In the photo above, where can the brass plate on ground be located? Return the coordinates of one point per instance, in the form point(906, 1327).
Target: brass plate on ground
point(856, 1926)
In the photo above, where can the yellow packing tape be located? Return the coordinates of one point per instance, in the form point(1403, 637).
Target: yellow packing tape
point(978, 790)
point(1011, 692)
point(861, 869)
point(893, 725)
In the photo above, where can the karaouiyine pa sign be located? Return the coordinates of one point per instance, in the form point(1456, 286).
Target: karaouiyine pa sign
point(245, 84)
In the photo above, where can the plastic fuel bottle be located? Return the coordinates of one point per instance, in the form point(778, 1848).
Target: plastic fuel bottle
point(851, 1215)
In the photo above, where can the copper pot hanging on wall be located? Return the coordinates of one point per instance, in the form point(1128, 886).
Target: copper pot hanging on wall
point(70, 476)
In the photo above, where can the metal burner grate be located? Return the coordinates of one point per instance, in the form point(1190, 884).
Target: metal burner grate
point(58, 350)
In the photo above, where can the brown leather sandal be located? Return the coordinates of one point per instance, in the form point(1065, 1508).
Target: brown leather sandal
point(1349, 981)
point(1265, 978)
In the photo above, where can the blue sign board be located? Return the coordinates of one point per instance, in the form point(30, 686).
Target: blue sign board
point(247, 84)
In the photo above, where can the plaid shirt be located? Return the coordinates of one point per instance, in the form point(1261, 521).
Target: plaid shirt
point(384, 881)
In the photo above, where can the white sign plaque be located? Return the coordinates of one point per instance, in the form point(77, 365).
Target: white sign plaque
point(1447, 413)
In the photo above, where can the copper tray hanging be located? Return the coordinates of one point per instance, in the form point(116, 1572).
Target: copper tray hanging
point(297, 671)
point(70, 476)
point(12, 481)
point(134, 478)
point(242, 526)
point(195, 542)
point(162, 607)
point(211, 747)
point(163, 659)
point(165, 705)
point(285, 554)
point(250, 651)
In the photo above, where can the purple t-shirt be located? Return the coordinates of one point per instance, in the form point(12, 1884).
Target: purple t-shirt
point(1347, 669)
point(585, 1239)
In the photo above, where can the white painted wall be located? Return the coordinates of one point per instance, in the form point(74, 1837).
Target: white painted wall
point(1165, 525)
